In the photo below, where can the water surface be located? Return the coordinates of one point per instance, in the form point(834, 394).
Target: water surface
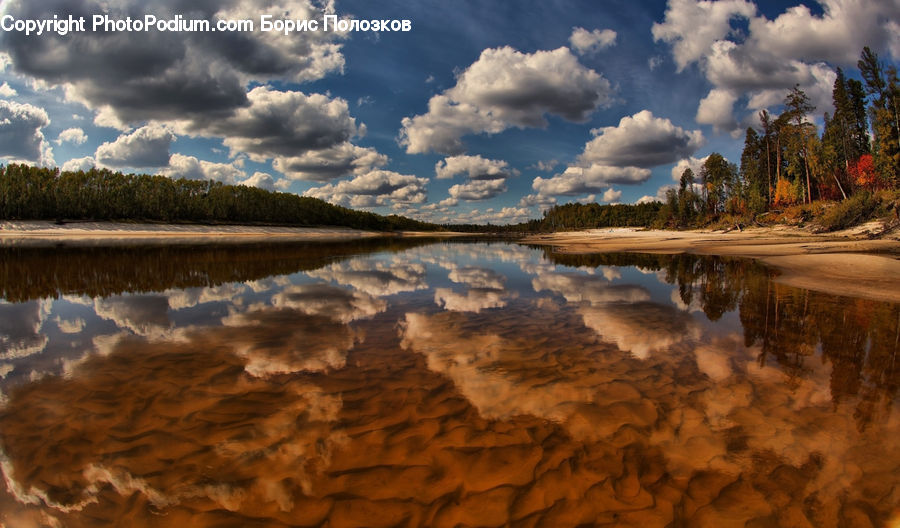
point(408, 383)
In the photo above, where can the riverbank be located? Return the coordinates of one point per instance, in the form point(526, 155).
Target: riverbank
point(844, 263)
point(43, 233)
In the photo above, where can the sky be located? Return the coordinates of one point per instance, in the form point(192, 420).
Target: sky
point(484, 111)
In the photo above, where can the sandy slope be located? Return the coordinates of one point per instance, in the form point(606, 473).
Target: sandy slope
point(845, 263)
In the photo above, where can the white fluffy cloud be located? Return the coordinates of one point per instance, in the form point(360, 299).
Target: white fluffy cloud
point(379, 187)
point(640, 140)
point(261, 180)
point(584, 41)
point(716, 109)
point(79, 164)
point(502, 89)
point(767, 60)
point(147, 146)
point(7, 91)
point(611, 195)
point(21, 137)
point(692, 26)
point(578, 180)
point(505, 215)
point(326, 164)
point(486, 178)
point(622, 154)
point(181, 166)
point(475, 167)
point(541, 200)
point(76, 136)
point(478, 190)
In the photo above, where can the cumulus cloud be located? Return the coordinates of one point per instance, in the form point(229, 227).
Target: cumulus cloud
point(76, 136)
point(261, 180)
point(716, 109)
point(545, 166)
point(767, 60)
point(163, 75)
point(640, 140)
point(281, 123)
point(691, 27)
point(542, 200)
point(622, 154)
point(21, 137)
point(79, 164)
point(593, 179)
point(611, 195)
point(7, 91)
point(191, 168)
point(486, 178)
point(379, 187)
point(506, 215)
point(584, 41)
point(478, 190)
point(147, 146)
point(475, 167)
point(502, 89)
point(326, 164)
point(196, 82)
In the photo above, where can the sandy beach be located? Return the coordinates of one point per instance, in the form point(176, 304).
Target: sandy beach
point(42, 233)
point(844, 263)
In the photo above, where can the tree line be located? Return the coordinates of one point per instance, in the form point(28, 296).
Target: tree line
point(35, 193)
point(785, 162)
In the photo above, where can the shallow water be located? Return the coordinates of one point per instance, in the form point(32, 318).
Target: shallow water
point(441, 384)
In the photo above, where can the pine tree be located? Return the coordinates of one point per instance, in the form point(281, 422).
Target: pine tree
point(753, 171)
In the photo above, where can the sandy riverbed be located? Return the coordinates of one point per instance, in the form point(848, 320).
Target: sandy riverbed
point(844, 263)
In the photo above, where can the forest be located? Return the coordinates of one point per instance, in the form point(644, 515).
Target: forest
point(34, 193)
point(785, 163)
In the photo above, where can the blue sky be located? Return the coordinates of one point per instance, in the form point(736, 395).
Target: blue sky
point(483, 112)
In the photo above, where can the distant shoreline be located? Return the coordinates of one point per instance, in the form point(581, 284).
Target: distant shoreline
point(844, 263)
point(36, 233)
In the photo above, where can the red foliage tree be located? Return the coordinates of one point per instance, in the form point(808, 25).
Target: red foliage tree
point(864, 174)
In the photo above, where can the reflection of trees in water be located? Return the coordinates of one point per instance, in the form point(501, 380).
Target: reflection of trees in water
point(33, 273)
point(858, 337)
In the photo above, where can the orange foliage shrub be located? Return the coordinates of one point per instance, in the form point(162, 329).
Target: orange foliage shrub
point(785, 193)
